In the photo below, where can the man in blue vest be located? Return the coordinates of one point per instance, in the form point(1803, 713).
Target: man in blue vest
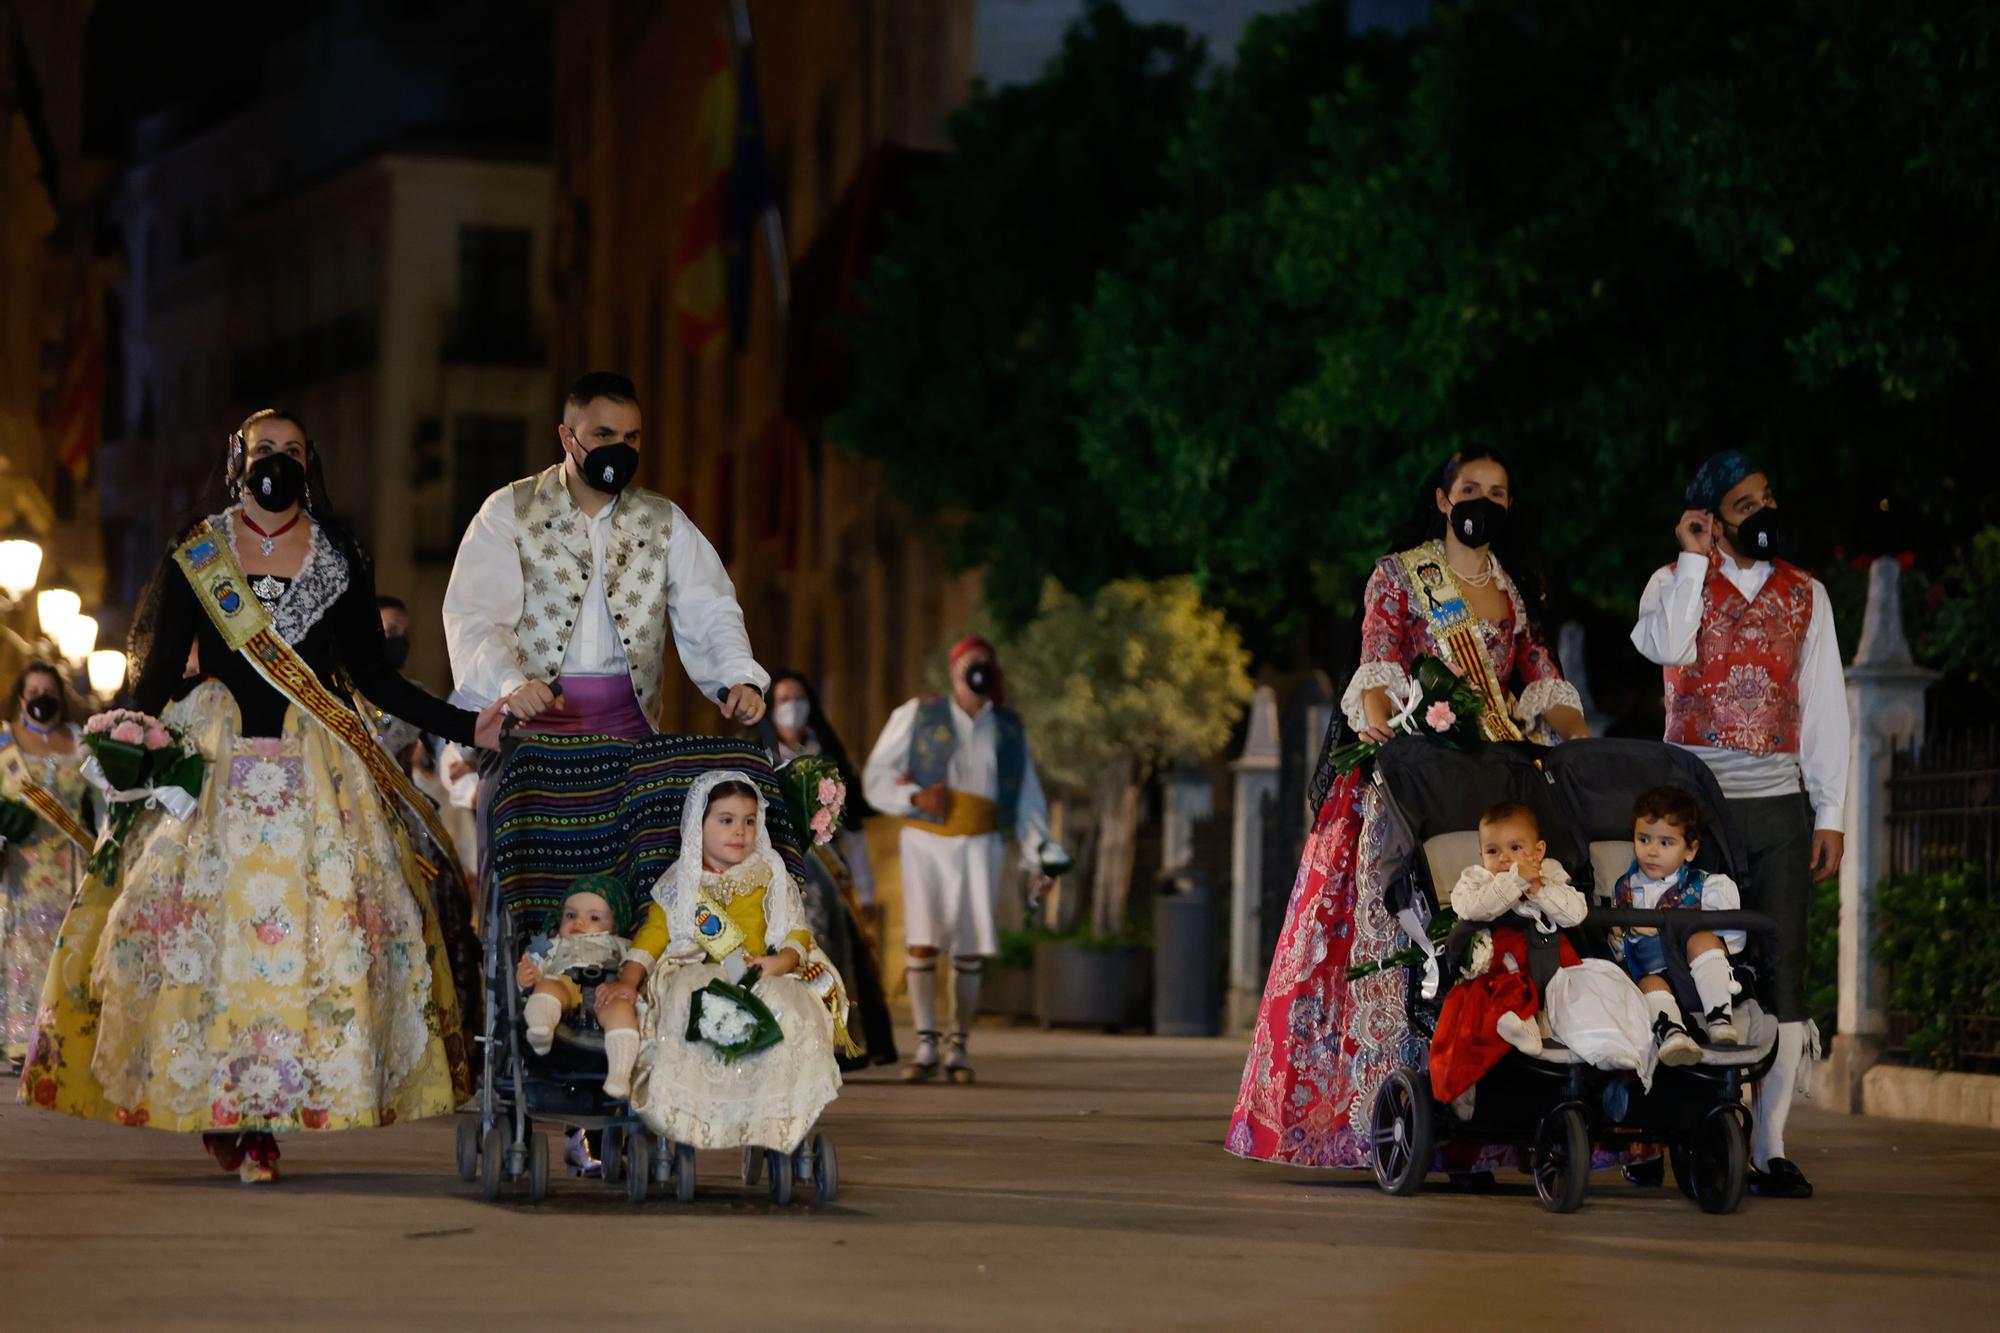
point(957, 769)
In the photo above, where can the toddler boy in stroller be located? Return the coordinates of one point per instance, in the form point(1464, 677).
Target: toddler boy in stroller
point(588, 950)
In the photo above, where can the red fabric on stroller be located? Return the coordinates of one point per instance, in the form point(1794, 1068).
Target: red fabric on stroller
point(1466, 1043)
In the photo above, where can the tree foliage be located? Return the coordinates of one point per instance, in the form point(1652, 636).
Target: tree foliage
point(1604, 238)
point(1137, 675)
point(963, 359)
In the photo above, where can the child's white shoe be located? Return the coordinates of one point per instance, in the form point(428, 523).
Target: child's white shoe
point(1721, 1026)
point(1677, 1048)
point(621, 1052)
point(1521, 1033)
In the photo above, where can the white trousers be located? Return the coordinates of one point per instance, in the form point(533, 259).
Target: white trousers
point(950, 888)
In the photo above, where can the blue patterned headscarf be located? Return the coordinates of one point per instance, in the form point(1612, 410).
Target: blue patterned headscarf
point(1715, 478)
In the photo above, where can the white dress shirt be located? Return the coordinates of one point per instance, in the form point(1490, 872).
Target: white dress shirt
point(483, 604)
point(1669, 625)
point(974, 770)
point(1718, 894)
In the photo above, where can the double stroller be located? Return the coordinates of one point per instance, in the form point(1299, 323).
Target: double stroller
point(563, 807)
point(1557, 1107)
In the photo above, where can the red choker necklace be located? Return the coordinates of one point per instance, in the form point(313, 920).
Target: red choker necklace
point(268, 540)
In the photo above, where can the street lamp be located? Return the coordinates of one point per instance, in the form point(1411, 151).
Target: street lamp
point(20, 564)
point(107, 672)
point(77, 637)
point(55, 608)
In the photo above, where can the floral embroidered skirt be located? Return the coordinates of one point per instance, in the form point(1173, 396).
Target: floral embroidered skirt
point(770, 1099)
point(272, 964)
point(35, 885)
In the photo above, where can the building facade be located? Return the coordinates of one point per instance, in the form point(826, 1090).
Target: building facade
point(835, 579)
point(375, 265)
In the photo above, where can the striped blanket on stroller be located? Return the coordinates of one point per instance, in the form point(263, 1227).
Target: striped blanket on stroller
point(574, 805)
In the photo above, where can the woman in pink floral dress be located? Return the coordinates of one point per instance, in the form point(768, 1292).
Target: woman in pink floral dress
point(1321, 1047)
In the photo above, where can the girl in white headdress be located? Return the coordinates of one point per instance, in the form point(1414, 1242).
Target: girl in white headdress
point(728, 907)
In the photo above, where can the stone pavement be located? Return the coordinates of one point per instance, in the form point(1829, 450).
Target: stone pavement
point(1080, 1184)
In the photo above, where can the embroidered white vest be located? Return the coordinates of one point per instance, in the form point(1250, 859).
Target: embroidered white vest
point(555, 570)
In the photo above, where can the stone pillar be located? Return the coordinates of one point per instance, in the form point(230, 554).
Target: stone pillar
point(1885, 712)
point(1257, 775)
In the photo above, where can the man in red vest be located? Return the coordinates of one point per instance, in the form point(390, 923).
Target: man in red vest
point(1754, 687)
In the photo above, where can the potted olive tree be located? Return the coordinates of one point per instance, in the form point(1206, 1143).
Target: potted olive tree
point(1114, 687)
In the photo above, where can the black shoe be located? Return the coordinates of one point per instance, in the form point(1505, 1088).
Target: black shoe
point(1649, 1174)
point(1780, 1180)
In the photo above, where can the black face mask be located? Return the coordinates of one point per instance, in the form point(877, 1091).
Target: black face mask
point(1480, 521)
point(396, 647)
point(276, 482)
point(1761, 536)
point(609, 467)
point(982, 678)
point(43, 708)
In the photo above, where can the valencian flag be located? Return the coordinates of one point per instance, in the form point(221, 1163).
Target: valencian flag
point(80, 397)
point(714, 256)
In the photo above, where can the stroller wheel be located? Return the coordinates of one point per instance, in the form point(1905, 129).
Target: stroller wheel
point(753, 1167)
point(468, 1148)
point(1403, 1133)
point(611, 1154)
point(1716, 1161)
point(538, 1166)
point(638, 1166)
point(684, 1172)
point(493, 1163)
point(1562, 1160)
point(826, 1169)
point(779, 1164)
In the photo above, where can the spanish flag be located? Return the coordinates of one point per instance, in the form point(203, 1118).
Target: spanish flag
point(699, 274)
point(79, 408)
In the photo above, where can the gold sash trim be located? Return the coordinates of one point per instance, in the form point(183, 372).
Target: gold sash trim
point(970, 817)
point(47, 804)
point(223, 591)
point(1441, 600)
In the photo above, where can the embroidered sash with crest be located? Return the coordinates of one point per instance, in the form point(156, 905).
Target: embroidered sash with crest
point(223, 590)
point(46, 803)
point(1438, 598)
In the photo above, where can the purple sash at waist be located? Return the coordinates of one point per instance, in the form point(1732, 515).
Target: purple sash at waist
point(595, 706)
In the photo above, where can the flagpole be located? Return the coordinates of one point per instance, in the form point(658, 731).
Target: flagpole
point(774, 222)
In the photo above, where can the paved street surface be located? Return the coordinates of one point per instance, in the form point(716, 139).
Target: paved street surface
point(1080, 1184)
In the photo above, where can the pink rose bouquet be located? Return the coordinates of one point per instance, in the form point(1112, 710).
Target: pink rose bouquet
point(139, 763)
point(1437, 702)
point(815, 795)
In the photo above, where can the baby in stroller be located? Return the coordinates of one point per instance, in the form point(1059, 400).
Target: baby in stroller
point(590, 945)
point(1666, 835)
point(740, 1012)
point(1514, 879)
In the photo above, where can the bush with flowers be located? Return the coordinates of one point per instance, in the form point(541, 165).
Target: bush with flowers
point(139, 763)
point(1437, 704)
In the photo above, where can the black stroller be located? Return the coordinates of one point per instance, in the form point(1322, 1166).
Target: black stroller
point(1556, 1106)
point(565, 806)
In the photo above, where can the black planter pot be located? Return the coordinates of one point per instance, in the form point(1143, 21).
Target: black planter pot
point(1079, 986)
point(1007, 992)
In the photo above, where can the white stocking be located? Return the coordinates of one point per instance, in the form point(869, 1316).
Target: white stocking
point(921, 975)
point(621, 1052)
point(540, 1015)
point(1774, 1096)
point(964, 993)
point(1711, 980)
point(1662, 1002)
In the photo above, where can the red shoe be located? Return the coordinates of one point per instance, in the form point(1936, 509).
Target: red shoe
point(260, 1166)
point(226, 1149)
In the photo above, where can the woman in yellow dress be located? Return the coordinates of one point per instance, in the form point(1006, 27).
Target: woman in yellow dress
point(274, 963)
point(38, 873)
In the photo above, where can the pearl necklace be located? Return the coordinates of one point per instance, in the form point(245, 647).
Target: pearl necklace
point(1480, 580)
